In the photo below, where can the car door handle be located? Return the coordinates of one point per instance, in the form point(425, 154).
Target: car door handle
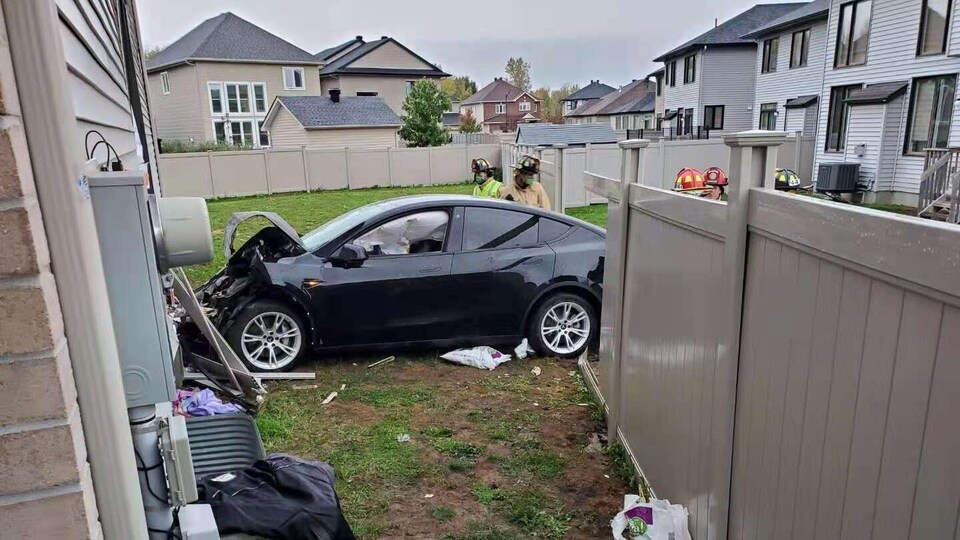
point(431, 270)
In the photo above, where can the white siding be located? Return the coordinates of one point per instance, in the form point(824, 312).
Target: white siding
point(685, 96)
point(953, 42)
point(866, 121)
point(890, 149)
point(891, 56)
point(729, 79)
point(796, 119)
point(785, 83)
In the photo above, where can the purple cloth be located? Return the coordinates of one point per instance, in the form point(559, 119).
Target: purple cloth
point(203, 403)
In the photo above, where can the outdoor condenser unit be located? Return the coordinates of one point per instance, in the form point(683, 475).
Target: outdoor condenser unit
point(838, 177)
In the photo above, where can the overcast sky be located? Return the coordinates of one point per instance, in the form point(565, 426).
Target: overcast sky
point(565, 41)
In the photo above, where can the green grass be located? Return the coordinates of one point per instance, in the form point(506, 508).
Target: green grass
point(895, 208)
point(456, 449)
point(442, 513)
point(595, 213)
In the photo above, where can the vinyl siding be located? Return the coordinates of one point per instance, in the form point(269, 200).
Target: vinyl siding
point(803, 120)
point(890, 149)
point(178, 114)
point(391, 88)
point(785, 83)
point(891, 56)
point(286, 131)
point(953, 42)
point(729, 79)
point(390, 55)
point(866, 121)
point(685, 96)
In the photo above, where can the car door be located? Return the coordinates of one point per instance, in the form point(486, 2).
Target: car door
point(393, 296)
point(499, 269)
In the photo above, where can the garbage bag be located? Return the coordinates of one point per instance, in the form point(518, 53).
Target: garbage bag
point(654, 520)
point(478, 357)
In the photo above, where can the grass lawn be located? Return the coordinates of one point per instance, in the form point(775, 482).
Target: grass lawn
point(493, 455)
point(595, 213)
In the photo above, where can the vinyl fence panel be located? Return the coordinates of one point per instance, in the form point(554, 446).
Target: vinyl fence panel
point(285, 170)
point(409, 166)
point(238, 173)
point(187, 175)
point(327, 169)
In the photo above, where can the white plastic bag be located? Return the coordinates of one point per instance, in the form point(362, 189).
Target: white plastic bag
point(523, 349)
point(478, 357)
point(660, 520)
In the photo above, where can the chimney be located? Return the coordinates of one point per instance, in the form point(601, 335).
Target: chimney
point(384, 37)
point(359, 38)
point(335, 95)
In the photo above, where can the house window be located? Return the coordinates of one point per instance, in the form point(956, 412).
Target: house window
point(216, 98)
point(259, 97)
point(854, 34)
point(165, 83)
point(799, 47)
point(768, 116)
point(367, 94)
point(770, 49)
point(837, 118)
point(410, 86)
point(690, 69)
point(293, 78)
point(501, 108)
point(660, 85)
point(713, 117)
point(672, 73)
point(241, 133)
point(524, 106)
point(571, 105)
point(238, 97)
point(931, 108)
point(263, 136)
point(219, 131)
point(933, 27)
point(687, 121)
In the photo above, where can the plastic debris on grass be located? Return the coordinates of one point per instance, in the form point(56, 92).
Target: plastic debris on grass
point(479, 357)
point(523, 350)
point(653, 520)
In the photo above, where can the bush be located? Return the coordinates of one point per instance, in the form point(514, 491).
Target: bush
point(179, 146)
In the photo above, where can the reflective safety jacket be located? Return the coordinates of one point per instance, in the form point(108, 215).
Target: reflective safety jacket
point(490, 188)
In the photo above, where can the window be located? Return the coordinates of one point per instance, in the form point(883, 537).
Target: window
point(619, 123)
point(368, 94)
point(931, 107)
point(410, 86)
point(263, 135)
point(293, 78)
point(216, 98)
point(550, 230)
point(690, 69)
point(501, 108)
point(259, 97)
point(686, 125)
point(837, 118)
point(219, 132)
point(238, 97)
point(524, 106)
point(933, 27)
point(672, 73)
point(660, 85)
point(770, 49)
point(853, 35)
point(165, 83)
point(799, 48)
point(486, 228)
point(571, 105)
point(713, 117)
point(241, 133)
point(768, 116)
point(423, 232)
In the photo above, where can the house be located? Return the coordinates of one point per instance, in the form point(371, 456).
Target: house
point(217, 81)
point(500, 106)
point(631, 107)
point(889, 91)
point(568, 134)
point(658, 107)
point(593, 91)
point(382, 68)
point(332, 121)
point(789, 69)
point(450, 121)
point(710, 79)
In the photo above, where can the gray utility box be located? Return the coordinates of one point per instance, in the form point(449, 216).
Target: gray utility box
point(125, 229)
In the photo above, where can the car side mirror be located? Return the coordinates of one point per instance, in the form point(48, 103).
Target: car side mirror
point(349, 256)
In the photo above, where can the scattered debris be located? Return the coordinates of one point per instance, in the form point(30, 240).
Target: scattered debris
point(403, 437)
point(428, 496)
point(607, 476)
point(594, 446)
point(523, 350)
point(305, 386)
point(479, 357)
point(653, 519)
point(329, 398)
point(343, 387)
point(536, 371)
point(535, 404)
point(202, 403)
point(386, 360)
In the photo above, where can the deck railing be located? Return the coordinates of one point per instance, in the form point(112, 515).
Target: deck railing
point(940, 184)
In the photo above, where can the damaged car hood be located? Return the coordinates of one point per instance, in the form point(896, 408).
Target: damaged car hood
point(239, 217)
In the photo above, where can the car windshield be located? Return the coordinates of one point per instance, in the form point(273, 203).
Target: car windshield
point(318, 237)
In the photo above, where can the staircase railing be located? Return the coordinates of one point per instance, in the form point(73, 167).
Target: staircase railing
point(940, 181)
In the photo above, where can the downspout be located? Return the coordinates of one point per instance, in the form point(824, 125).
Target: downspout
point(55, 151)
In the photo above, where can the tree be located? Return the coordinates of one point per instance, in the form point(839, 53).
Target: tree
point(423, 111)
point(152, 51)
point(518, 73)
point(468, 124)
point(551, 102)
point(458, 88)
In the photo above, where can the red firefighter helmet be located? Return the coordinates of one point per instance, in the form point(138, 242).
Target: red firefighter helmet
point(689, 179)
point(714, 176)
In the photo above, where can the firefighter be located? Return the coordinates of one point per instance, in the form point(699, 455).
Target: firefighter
point(487, 185)
point(525, 188)
point(690, 181)
point(716, 179)
point(787, 180)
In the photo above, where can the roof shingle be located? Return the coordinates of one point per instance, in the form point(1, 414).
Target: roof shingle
point(594, 90)
point(320, 111)
point(570, 134)
point(818, 9)
point(342, 64)
point(498, 90)
point(618, 102)
point(876, 93)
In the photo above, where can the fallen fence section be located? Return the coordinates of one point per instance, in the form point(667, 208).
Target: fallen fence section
point(277, 170)
point(783, 366)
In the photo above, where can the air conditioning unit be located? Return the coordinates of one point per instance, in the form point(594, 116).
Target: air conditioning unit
point(838, 177)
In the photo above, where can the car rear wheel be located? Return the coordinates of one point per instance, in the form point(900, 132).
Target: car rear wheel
point(564, 325)
point(268, 336)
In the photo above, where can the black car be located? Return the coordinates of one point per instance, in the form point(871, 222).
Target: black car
point(424, 270)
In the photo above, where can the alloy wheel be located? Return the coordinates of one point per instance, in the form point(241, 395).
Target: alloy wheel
point(271, 340)
point(565, 328)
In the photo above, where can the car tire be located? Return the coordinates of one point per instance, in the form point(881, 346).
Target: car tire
point(268, 336)
point(563, 325)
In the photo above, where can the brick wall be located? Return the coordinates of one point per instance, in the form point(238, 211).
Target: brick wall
point(45, 486)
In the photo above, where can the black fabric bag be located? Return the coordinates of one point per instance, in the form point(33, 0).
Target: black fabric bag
point(281, 497)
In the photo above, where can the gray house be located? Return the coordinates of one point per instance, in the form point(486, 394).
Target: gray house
point(710, 80)
point(591, 92)
point(789, 69)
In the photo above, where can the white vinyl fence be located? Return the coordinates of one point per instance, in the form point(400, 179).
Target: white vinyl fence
point(256, 172)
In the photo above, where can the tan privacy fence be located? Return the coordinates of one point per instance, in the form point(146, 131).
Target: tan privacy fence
point(229, 174)
point(783, 366)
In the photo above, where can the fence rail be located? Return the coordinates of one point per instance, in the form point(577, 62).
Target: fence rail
point(783, 366)
point(230, 174)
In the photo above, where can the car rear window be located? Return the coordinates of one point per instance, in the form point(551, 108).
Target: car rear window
point(550, 230)
point(486, 228)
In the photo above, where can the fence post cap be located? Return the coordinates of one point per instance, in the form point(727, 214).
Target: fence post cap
point(755, 137)
point(634, 143)
point(560, 145)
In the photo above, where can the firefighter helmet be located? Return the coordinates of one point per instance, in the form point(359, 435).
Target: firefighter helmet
point(527, 165)
point(786, 179)
point(714, 176)
point(480, 165)
point(689, 179)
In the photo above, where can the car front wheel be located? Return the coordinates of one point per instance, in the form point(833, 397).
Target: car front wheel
point(268, 336)
point(563, 326)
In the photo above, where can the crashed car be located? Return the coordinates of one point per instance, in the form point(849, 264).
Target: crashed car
point(433, 271)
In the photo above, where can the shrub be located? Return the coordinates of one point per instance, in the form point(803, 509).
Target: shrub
point(180, 146)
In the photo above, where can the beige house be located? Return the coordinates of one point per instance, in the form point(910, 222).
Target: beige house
point(384, 68)
point(218, 80)
point(334, 121)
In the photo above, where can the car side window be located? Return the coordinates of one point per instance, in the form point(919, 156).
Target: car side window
point(423, 232)
point(550, 230)
point(486, 228)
